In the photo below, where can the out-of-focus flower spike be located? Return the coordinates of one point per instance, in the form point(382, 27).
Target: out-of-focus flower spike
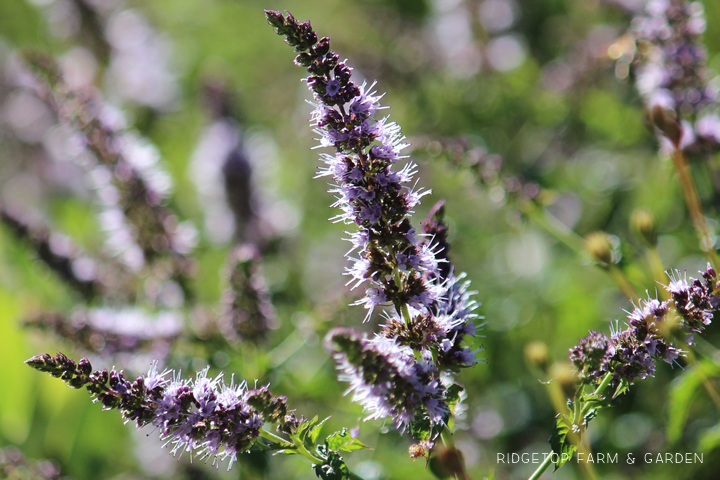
point(86, 275)
point(109, 332)
point(13, 464)
point(141, 187)
point(248, 313)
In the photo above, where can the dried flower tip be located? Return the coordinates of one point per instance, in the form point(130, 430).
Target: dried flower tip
point(667, 123)
point(419, 450)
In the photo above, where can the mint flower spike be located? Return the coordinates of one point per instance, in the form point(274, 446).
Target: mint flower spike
point(59, 253)
point(203, 416)
point(611, 365)
point(405, 373)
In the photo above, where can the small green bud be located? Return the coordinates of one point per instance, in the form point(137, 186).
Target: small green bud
point(643, 223)
point(537, 354)
point(599, 247)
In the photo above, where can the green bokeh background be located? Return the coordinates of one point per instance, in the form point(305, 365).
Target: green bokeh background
point(590, 145)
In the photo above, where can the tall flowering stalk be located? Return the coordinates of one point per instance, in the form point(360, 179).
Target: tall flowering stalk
point(397, 374)
point(202, 416)
point(672, 72)
point(608, 366)
point(205, 416)
point(683, 104)
point(110, 332)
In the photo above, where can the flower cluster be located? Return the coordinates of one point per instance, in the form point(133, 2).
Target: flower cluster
point(433, 311)
point(203, 416)
point(131, 185)
point(248, 312)
point(109, 332)
point(386, 379)
point(673, 75)
point(631, 354)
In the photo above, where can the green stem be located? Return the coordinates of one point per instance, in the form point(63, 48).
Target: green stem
point(314, 458)
point(598, 391)
point(543, 466)
point(274, 438)
point(553, 226)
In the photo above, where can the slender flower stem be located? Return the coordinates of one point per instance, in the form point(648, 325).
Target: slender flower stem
point(622, 282)
point(574, 242)
point(543, 466)
point(553, 226)
point(274, 438)
point(598, 391)
point(692, 200)
point(658, 272)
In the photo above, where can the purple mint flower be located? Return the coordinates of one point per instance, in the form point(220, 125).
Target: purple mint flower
point(387, 379)
point(591, 356)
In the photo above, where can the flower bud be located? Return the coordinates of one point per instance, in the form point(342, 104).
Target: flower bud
point(599, 247)
point(537, 354)
point(667, 124)
point(643, 223)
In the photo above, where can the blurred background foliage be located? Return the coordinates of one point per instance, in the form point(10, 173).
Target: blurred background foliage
point(529, 80)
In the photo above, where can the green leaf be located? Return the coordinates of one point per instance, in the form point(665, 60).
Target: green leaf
point(314, 432)
point(560, 442)
point(421, 429)
point(342, 442)
point(710, 440)
point(683, 392)
point(452, 394)
point(622, 388)
point(304, 428)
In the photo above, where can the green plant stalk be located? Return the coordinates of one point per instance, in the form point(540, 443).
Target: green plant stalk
point(553, 226)
point(692, 201)
point(578, 414)
point(541, 469)
point(622, 282)
point(574, 242)
point(281, 442)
